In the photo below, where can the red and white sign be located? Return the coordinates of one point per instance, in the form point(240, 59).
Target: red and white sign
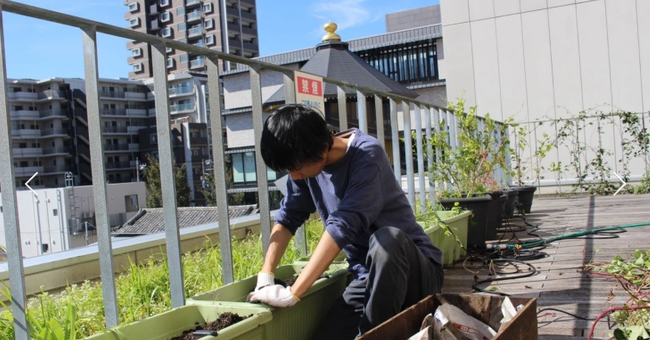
point(309, 90)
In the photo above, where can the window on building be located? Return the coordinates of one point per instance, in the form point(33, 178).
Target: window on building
point(163, 3)
point(134, 22)
point(137, 67)
point(137, 52)
point(180, 11)
point(169, 49)
point(131, 203)
point(209, 23)
point(153, 138)
point(166, 32)
point(181, 27)
point(407, 63)
point(209, 40)
point(165, 16)
point(134, 7)
point(184, 58)
point(170, 62)
point(207, 8)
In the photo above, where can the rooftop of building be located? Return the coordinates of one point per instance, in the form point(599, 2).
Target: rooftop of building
point(152, 220)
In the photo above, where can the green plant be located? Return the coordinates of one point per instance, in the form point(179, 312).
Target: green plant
point(143, 290)
point(469, 167)
point(633, 275)
point(520, 162)
point(154, 187)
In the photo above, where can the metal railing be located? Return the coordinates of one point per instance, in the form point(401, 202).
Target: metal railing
point(424, 116)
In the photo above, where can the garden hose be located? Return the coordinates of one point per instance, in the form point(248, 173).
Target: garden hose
point(545, 241)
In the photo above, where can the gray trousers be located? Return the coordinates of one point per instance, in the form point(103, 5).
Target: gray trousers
point(399, 276)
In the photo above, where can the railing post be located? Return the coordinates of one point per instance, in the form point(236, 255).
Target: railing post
point(290, 97)
point(260, 166)
point(379, 117)
point(166, 155)
point(362, 112)
point(427, 127)
point(10, 205)
point(408, 153)
point(99, 177)
point(420, 154)
point(397, 168)
point(219, 169)
point(343, 108)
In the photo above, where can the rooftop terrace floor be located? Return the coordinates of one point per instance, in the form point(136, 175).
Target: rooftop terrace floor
point(560, 282)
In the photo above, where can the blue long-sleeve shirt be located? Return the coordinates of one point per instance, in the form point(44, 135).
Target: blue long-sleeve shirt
point(355, 196)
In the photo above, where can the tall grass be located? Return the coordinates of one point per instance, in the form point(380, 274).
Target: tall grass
point(142, 291)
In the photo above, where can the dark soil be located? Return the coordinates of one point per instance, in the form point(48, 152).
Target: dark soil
point(211, 328)
point(290, 281)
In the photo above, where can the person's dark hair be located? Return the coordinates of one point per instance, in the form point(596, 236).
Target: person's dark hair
point(294, 135)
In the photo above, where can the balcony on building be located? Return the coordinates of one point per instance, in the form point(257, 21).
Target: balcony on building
point(139, 112)
point(117, 93)
point(192, 3)
point(153, 9)
point(154, 24)
point(54, 169)
point(52, 113)
point(197, 63)
point(119, 165)
point(119, 147)
point(25, 133)
point(23, 96)
point(181, 108)
point(27, 152)
point(113, 112)
point(49, 151)
point(193, 16)
point(180, 91)
point(27, 171)
point(196, 31)
point(115, 130)
point(24, 114)
point(49, 132)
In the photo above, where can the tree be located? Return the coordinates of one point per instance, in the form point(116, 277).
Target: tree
point(154, 189)
point(209, 192)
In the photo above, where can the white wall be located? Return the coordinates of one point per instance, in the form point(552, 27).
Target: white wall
point(40, 224)
point(536, 60)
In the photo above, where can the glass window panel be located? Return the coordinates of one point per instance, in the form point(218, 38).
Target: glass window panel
point(237, 168)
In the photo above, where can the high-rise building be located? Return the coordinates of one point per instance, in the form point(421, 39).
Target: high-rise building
point(228, 26)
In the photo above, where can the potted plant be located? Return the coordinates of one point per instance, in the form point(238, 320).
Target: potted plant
point(520, 171)
point(448, 230)
point(466, 172)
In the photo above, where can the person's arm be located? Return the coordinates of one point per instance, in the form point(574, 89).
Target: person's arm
point(323, 256)
point(280, 237)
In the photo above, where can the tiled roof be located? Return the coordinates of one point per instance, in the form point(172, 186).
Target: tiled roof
point(152, 220)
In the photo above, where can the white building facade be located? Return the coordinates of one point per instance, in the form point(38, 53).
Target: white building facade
point(538, 60)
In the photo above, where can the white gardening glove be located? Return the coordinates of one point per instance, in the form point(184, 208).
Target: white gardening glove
point(264, 279)
point(275, 296)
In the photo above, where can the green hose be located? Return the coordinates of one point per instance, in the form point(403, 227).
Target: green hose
point(572, 235)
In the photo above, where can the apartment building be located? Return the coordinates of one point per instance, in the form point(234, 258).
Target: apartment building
point(41, 115)
point(227, 26)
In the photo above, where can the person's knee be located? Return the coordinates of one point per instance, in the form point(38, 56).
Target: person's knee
point(385, 241)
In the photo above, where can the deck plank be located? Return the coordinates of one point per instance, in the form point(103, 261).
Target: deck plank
point(560, 282)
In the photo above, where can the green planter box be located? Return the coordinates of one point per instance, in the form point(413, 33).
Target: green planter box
point(339, 263)
point(173, 323)
point(432, 223)
point(298, 322)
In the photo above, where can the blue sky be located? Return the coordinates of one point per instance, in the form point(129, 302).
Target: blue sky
point(38, 49)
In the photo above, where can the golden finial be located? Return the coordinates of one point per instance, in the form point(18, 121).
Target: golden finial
point(330, 27)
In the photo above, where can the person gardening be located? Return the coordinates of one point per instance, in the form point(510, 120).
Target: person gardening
point(347, 177)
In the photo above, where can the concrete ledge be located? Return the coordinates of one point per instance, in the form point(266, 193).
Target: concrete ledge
point(55, 271)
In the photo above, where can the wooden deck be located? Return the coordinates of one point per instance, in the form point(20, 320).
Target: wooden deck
point(559, 282)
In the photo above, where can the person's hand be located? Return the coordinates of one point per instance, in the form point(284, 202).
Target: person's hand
point(264, 279)
point(275, 296)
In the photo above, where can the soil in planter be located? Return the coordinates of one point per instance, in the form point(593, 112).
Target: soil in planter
point(211, 328)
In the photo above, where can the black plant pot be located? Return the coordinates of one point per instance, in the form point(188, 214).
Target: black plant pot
point(495, 213)
point(525, 198)
point(509, 207)
point(477, 229)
